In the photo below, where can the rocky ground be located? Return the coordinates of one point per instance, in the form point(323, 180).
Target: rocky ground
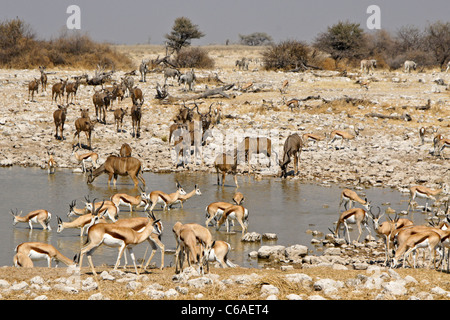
point(387, 152)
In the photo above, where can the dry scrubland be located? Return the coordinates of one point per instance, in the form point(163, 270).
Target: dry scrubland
point(387, 152)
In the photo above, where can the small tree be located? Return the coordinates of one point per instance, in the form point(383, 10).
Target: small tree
point(437, 41)
point(183, 31)
point(342, 40)
point(255, 39)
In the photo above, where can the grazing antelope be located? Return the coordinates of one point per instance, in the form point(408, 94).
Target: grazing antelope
point(235, 212)
point(123, 199)
point(312, 137)
point(59, 118)
point(186, 236)
point(43, 79)
point(238, 198)
point(343, 135)
point(292, 147)
point(33, 86)
point(51, 164)
point(424, 239)
point(114, 235)
point(183, 198)
point(214, 211)
point(350, 197)
point(226, 163)
point(40, 216)
point(122, 166)
point(356, 216)
point(387, 228)
point(136, 115)
point(58, 90)
point(27, 252)
point(423, 192)
point(82, 222)
point(119, 113)
point(443, 143)
point(166, 200)
point(219, 252)
point(91, 157)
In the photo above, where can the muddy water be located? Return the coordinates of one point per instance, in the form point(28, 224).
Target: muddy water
point(287, 208)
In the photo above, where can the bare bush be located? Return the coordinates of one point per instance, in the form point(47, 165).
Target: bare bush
point(286, 55)
point(194, 58)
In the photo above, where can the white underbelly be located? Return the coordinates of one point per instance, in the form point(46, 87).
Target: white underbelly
point(34, 255)
point(111, 241)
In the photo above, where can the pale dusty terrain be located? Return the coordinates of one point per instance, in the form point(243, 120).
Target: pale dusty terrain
point(386, 152)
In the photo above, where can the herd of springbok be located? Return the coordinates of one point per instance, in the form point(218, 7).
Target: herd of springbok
point(100, 223)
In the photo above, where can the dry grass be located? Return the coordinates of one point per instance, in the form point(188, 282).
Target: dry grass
point(426, 280)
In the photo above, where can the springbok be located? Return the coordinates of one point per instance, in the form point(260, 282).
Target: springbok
point(292, 147)
point(131, 201)
point(356, 216)
point(122, 166)
point(40, 216)
point(342, 135)
point(51, 164)
point(219, 252)
point(166, 200)
point(350, 197)
point(424, 192)
point(186, 236)
point(214, 211)
point(424, 239)
point(27, 252)
point(91, 157)
point(238, 198)
point(82, 222)
point(235, 212)
point(387, 228)
point(74, 211)
point(442, 144)
point(114, 235)
point(184, 197)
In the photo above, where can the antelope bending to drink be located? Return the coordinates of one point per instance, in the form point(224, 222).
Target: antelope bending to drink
point(27, 252)
point(235, 212)
point(130, 201)
point(91, 157)
point(356, 216)
point(40, 216)
point(350, 196)
point(424, 192)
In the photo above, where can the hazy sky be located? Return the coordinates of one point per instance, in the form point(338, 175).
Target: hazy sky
point(138, 21)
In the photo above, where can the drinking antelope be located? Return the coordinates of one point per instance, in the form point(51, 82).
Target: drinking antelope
point(238, 198)
point(74, 211)
point(350, 197)
point(114, 235)
point(356, 216)
point(214, 211)
point(160, 197)
point(423, 192)
point(82, 222)
point(27, 252)
point(40, 216)
point(235, 212)
point(292, 147)
point(122, 166)
point(51, 164)
point(91, 157)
